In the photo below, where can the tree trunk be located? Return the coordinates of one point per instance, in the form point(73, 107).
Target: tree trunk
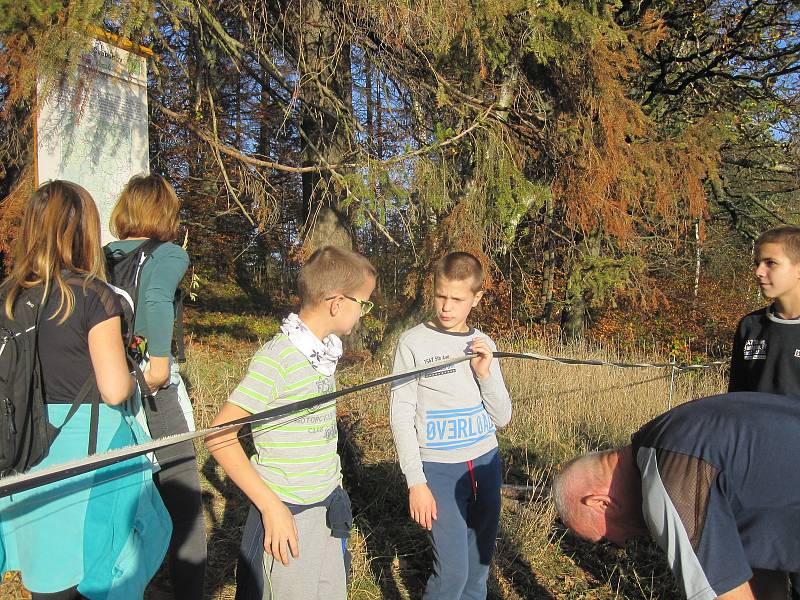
point(326, 126)
point(697, 256)
point(415, 313)
point(572, 317)
point(576, 304)
point(324, 66)
point(548, 275)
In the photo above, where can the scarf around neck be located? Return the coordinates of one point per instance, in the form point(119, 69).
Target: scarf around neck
point(322, 354)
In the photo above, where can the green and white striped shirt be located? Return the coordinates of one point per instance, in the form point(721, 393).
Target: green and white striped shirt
point(296, 455)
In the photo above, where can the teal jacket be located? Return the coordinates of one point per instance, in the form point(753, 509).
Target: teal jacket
point(155, 313)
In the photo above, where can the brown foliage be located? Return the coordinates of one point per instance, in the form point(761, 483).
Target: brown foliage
point(619, 173)
point(11, 209)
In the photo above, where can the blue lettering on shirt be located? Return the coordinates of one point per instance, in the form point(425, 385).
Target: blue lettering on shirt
point(457, 428)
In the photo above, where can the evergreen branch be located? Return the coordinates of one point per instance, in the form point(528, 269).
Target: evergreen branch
point(214, 141)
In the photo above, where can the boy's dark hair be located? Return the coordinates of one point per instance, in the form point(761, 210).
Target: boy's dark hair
point(460, 266)
point(332, 270)
point(787, 236)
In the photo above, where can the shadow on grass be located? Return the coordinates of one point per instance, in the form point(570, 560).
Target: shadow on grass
point(520, 463)
point(638, 571)
point(235, 331)
point(225, 531)
point(380, 510)
point(399, 553)
point(516, 571)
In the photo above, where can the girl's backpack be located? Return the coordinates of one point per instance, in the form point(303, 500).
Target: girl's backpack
point(25, 433)
point(124, 275)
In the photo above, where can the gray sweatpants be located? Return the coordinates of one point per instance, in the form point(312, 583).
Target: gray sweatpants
point(317, 574)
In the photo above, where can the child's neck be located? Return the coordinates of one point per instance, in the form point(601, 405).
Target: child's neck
point(788, 308)
point(463, 328)
point(318, 324)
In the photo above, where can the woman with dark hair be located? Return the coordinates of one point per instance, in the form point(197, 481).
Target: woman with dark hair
point(102, 534)
point(147, 209)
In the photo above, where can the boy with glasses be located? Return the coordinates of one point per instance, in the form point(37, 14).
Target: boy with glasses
point(294, 545)
point(444, 425)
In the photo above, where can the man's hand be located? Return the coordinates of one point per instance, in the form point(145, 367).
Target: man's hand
point(422, 505)
point(483, 360)
point(280, 532)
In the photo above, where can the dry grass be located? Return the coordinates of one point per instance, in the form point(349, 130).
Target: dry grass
point(558, 411)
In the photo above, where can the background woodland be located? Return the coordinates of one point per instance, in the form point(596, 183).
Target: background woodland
point(610, 162)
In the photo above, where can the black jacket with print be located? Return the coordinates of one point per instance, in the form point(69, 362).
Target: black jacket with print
point(766, 354)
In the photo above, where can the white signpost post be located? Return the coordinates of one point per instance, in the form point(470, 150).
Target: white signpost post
point(93, 129)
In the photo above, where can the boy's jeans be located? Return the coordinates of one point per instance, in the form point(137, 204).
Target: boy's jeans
point(464, 534)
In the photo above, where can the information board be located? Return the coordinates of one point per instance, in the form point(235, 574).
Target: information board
point(93, 128)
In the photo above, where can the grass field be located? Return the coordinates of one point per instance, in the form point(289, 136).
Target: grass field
point(558, 411)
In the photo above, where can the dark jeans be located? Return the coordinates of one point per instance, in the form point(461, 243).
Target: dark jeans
point(70, 594)
point(178, 481)
point(465, 530)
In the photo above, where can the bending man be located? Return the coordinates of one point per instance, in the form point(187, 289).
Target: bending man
point(715, 482)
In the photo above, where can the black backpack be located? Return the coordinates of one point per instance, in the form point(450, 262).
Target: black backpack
point(124, 274)
point(25, 433)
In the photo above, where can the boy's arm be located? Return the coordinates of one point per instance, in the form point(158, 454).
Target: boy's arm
point(402, 413)
point(280, 531)
point(736, 381)
point(494, 394)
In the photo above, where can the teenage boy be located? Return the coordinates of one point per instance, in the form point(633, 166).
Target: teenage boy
point(294, 544)
point(766, 347)
point(444, 425)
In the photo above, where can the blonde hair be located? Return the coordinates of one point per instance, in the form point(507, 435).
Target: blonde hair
point(331, 269)
point(787, 236)
point(460, 266)
point(147, 207)
point(60, 230)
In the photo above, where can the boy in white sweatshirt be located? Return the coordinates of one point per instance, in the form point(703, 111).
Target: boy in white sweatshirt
point(444, 425)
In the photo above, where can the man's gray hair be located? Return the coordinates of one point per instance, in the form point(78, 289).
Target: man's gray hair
point(573, 480)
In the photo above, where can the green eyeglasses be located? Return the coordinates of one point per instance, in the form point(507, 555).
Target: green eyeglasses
point(366, 305)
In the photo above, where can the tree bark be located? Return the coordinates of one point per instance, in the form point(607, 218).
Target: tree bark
point(576, 304)
point(325, 72)
point(324, 67)
point(548, 274)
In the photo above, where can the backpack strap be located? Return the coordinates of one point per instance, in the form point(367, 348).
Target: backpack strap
point(88, 386)
point(146, 251)
point(94, 424)
point(136, 371)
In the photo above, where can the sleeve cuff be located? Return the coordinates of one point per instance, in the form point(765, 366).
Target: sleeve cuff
point(415, 478)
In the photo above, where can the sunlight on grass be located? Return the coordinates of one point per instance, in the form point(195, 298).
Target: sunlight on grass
point(558, 410)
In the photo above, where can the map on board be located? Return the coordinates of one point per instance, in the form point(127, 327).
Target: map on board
point(93, 128)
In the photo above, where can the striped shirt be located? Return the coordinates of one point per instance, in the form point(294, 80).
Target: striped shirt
point(296, 455)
